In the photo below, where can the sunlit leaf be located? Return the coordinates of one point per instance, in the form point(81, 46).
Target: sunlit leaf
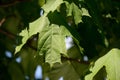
point(38, 25)
point(51, 5)
point(24, 33)
point(52, 44)
point(85, 22)
point(34, 28)
point(77, 14)
point(111, 63)
point(73, 9)
point(69, 8)
point(85, 12)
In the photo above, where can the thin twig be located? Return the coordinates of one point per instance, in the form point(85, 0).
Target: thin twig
point(76, 60)
point(8, 34)
point(2, 21)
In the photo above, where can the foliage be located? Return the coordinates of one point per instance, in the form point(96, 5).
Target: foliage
point(110, 65)
point(34, 32)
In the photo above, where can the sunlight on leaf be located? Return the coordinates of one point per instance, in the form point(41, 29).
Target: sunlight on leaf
point(34, 28)
point(111, 61)
point(85, 12)
point(25, 36)
point(38, 25)
point(51, 44)
point(48, 7)
point(77, 14)
point(73, 9)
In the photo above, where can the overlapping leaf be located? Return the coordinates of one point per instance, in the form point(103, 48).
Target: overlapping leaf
point(37, 26)
point(76, 12)
point(111, 61)
point(73, 9)
point(34, 28)
point(51, 5)
point(68, 70)
point(51, 43)
point(24, 33)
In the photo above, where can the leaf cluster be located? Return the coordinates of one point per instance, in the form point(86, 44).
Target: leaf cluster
point(35, 31)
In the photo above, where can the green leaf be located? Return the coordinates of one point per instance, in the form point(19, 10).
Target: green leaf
point(69, 8)
point(77, 14)
point(52, 43)
point(65, 70)
point(15, 71)
point(38, 25)
point(51, 5)
point(111, 61)
point(25, 35)
point(34, 28)
point(41, 2)
point(73, 9)
point(76, 50)
point(85, 12)
point(68, 70)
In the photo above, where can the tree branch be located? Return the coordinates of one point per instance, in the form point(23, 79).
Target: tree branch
point(76, 60)
point(64, 58)
point(2, 21)
point(8, 34)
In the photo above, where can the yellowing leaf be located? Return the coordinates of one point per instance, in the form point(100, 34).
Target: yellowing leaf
point(111, 61)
